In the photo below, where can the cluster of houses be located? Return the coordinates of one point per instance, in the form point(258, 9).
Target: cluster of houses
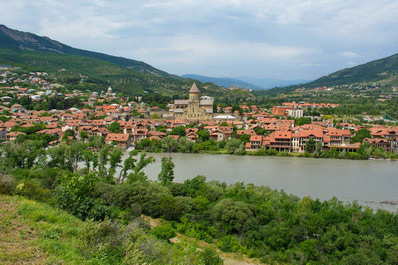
point(286, 137)
point(278, 134)
point(296, 110)
point(264, 129)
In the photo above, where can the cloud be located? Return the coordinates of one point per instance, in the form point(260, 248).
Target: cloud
point(349, 54)
point(266, 38)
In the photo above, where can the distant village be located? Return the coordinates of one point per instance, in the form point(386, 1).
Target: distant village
point(137, 121)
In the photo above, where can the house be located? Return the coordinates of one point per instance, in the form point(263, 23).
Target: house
point(192, 136)
point(122, 140)
point(12, 136)
point(300, 139)
point(281, 141)
point(139, 134)
point(255, 143)
point(379, 143)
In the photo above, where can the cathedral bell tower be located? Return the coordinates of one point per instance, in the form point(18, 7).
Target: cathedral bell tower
point(194, 93)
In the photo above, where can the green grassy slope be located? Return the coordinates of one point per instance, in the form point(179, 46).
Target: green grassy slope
point(35, 233)
point(18, 40)
point(383, 71)
point(372, 71)
point(98, 75)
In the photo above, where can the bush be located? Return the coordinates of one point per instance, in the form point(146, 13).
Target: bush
point(210, 257)
point(164, 232)
point(7, 184)
point(228, 244)
point(103, 240)
point(32, 189)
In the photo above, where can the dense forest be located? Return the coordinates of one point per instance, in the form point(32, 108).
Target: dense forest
point(92, 182)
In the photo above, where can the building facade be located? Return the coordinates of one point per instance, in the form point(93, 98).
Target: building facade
point(195, 109)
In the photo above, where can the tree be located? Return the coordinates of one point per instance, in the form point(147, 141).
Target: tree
point(180, 130)
point(244, 138)
point(231, 214)
point(360, 135)
point(233, 145)
point(69, 133)
point(138, 174)
point(166, 174)
point(184, 145)
point(83, 135)
point(310, 146)
point(115, 158)
point(302, 120)
point(114, 127)
point(203, 135)
point(169, 144)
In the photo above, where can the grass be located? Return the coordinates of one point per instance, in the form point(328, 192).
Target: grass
point(36, 233)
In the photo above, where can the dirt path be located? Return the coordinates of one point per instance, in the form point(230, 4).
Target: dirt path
point(16, 238)
point(229, 258)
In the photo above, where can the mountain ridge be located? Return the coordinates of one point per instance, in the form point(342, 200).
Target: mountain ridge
point(222, 81)
point(381, 70)
point(20, 40)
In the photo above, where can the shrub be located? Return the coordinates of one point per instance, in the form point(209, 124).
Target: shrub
point(210, 257)
point(164, 232)
point(7, 184)
point(32, 189)
point(103, 240)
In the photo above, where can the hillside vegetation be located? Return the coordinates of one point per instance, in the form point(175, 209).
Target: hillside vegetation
point(383, 71)
point(83, 69)
point(18, 40)
point(94, 74)
point(256, 221)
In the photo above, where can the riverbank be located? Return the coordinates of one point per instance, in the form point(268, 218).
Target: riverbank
point(323, 154)
point(369, 182)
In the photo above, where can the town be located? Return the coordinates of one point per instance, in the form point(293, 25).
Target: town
point(119, 120)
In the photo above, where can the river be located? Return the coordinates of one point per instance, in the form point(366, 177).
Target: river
point(368, 182)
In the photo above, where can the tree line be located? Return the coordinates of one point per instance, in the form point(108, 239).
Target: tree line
point(93, 181)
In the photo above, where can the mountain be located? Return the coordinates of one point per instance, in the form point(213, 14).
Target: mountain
point(18, 40)
point(271, 82)
point(225, 82)
point(246, 81)
point(383, 69)
point(80, 69)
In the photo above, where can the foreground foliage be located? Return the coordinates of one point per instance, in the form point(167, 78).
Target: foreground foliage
point(254, 220)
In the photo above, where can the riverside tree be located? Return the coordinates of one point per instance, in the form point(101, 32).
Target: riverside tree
point(166, 175)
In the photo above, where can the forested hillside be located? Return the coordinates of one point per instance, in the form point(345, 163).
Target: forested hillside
point(89, 70)
point(383, 71)
point(18, 40)
point(257, 221)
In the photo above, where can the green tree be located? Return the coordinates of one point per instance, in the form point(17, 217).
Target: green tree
point(114, 127)
point(115, 158)
point(179, 130)
point(166, 174)
point(83, 135)
point(168, 144)
point(138, 174)
point(231, 214)
point(310, 146)
point(360, 135)
point(233, 145)
point(302, 121)
point(203, 135)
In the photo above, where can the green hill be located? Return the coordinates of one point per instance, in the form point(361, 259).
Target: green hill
point(18, 40)
point(373, 71)
point(384, 71)
point(90, 70)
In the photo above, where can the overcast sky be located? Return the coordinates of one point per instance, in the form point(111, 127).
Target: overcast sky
point(283, 39)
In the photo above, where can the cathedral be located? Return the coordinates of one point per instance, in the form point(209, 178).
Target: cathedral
point(195, 109)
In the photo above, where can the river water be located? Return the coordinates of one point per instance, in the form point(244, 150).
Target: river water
point(368, 182)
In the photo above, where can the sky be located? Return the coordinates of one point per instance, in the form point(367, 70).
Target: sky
point(281, 39)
